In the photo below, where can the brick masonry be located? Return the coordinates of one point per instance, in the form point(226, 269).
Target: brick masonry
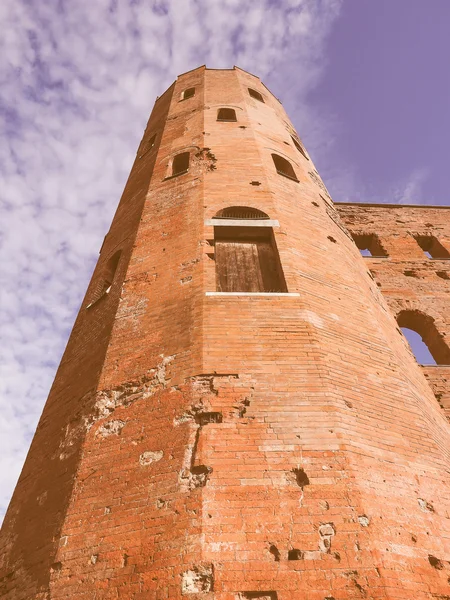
point(201, 445)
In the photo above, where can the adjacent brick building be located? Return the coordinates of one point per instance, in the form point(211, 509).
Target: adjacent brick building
point(237, 414)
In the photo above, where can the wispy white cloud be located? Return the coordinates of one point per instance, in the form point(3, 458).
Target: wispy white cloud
point(77, 83)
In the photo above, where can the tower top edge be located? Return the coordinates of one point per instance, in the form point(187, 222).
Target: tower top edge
point(391, 205)
point(205, 68)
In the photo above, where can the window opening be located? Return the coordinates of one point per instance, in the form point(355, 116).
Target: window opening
point(369, 245)
point(241, 212)
point(149, 145)
point(105, 282)
point(247, 260)
point(226, 114)
point(256, 95)
point(284, 167)
point(188, 93)
point(431, 246)
point(180, 164)
point(299, 146)
point(427, 344)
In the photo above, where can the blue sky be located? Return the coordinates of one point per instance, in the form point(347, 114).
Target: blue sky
point(366, 84)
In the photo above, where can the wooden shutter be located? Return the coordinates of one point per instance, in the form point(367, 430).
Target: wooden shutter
point(247, 266)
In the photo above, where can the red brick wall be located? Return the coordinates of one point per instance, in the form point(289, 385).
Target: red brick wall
point(238, 446)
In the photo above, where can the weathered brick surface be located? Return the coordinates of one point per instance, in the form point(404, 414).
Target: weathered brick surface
point(239, 446)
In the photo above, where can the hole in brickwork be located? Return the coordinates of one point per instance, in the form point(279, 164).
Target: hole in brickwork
point(427, 344)
point(424, 505)
point(301, 477)
point(208, 417)
point(411, 273)
point(431, 247)
point(331, 238)
point(435, 562)
point(295, 554)
point(315, 203)
point(200, 475)
point(275, 552)
point(257, 183)
point(257, 596)
point(443, 274)
point(56, 567)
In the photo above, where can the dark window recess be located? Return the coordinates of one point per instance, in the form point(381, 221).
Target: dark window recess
point(431, 246)
point(241, 212)
point(284, 167)
point(226, 114)
point(427, 344)
point(369, 245)
point(189, 93)
point(149, 145)
point(256, 95)
point(299, 146)
point(180, 163)
point(247, 260)
point(105, 282)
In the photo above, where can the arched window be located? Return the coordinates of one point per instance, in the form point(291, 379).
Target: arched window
point(188, 93)
point(246, 257)
point(284, 167)
point(226, 114)
point(106, 280)
point(256, 95)
point(241, 212)
point(180, 164)
point(427, 344)
point(299, 146)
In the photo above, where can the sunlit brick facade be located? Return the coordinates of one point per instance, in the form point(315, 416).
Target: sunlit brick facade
point(237, 414)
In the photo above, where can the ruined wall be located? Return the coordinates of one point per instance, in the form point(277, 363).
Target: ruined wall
point(407, 277)
point(233, 445)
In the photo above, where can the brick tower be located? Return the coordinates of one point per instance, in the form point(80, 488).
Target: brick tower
point(237, 414)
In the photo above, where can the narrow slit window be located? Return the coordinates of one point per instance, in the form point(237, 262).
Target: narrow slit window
point(284, 167)
point(226, 114)
point(188, 93)
point(149, 145)
point(180, 164)
point(427, 344)
point(369, 245)
point(247, 260)
point(299, 146)
point(256, 95)
point(432, 247)
point(106, 280)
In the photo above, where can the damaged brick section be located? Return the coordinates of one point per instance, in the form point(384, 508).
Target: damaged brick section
point(149, 457)
point(206, 159)
point(257, 596)
point(108, 400)
point(227, 395)
point(110, 428)
point(200, 578)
